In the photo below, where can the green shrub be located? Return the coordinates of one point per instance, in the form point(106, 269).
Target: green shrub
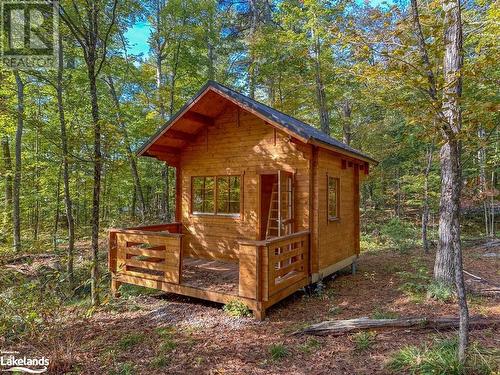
point(441, 359)
point(236, 308)
point(379, 313)
point(160, 361)
point(400, 234)
point(130, 340)
point(439, 291)
point(123, 369)
point(363, 340)
point(415, 281)
point(334, 310)
point(278, 352)
point(168, 345)
point(310, 345)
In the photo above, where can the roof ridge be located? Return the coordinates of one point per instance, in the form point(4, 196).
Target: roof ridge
point(293, 124)
point(309, 127)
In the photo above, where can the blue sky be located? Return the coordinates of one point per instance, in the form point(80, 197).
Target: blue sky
point(137, 38)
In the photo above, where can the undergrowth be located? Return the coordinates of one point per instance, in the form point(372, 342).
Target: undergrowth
point(236, 308)
point(363, 340)
point(278, 352)
point(441, 359)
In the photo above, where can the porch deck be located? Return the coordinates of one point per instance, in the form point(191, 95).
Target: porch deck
point(214, 275)
point(266, 271)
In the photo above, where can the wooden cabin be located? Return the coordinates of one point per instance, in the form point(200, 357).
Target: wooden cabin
point(265, 205)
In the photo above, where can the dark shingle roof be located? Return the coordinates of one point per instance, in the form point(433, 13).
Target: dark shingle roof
point(292, 124)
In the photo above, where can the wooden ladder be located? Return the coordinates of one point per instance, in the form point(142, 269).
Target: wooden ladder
point(272, 217)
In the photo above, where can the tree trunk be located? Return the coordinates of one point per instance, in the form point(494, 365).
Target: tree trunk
point(65, 164)
point(324, 116)
point(254, 19)
point(451, 184)
point(133, 208)
point(483, 185)
point(16, 190)
point(492, 204)
point(130, 155)
point(211, 55)
point(159, 59)
point(425, 202)
point(7, 160)
point(36, 193)
point(346, 122)
point(97, 182)
point(57, 213)
point(159, 73)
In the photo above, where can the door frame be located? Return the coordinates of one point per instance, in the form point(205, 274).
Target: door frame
point(260, 235)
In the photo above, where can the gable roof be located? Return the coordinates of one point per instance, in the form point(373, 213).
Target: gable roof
point(303, 131)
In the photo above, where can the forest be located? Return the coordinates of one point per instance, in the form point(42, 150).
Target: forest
point(414, 84)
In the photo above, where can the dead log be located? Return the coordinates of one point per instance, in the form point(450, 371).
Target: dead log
point(342, 327)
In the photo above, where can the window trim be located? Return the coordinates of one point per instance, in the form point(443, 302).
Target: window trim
point(337, 180)
point(215, 213)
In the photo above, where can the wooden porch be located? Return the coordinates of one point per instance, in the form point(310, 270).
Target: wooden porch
point(266, 271)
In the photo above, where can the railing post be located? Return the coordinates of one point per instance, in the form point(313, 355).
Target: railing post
point(112, 253)
point(112, 262)
point(264, 272)
point(248, 270)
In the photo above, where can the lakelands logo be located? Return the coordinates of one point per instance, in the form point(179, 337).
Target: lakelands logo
point(29, 34)
point(12, 362)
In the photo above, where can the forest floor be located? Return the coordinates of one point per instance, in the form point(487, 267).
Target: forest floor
point(150, 332)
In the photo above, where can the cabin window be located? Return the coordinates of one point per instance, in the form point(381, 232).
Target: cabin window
point(203, 194)
point(216, 195)
point(228, 194)
point(333, 198)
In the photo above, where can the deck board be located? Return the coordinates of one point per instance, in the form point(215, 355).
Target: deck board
point(214, 275)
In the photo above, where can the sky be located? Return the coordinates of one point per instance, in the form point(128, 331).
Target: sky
point(137, 38)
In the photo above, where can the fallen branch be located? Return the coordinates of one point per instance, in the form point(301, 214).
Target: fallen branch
point(480, 279)
point(341, 327)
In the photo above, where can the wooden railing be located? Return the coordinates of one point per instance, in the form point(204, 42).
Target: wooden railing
point(151, 252)
point(271, 267)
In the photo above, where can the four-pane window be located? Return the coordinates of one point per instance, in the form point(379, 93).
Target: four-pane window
point(216, 195)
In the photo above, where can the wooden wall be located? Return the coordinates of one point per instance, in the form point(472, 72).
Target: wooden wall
point(336, 239)
point(238, 143)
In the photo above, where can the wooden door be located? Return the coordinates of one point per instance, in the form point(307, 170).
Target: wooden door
point(286, 203)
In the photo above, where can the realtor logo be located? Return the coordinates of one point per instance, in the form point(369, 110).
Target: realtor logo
point(29, 34)
point(10, 362)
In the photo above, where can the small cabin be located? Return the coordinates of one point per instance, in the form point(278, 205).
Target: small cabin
point(265, 205)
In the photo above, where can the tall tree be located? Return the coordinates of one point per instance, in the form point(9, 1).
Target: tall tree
point(7, 161)
point(128, 148)
point(451, 178)
point(65, 165)
point(92, 27)
point(16, 187)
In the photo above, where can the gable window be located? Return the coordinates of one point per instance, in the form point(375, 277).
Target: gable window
point(215, 195)
point(333, 198)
